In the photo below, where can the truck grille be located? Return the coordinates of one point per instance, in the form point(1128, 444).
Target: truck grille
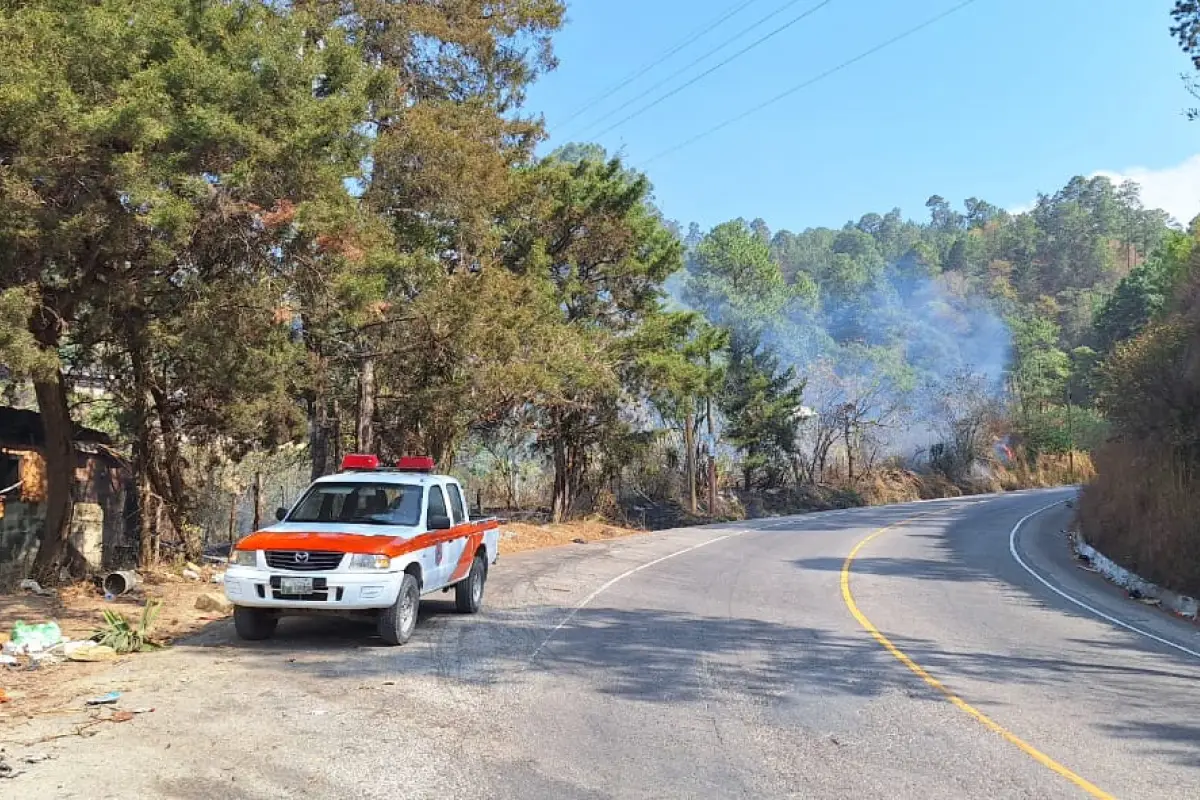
point(320, 592)
point(308, 561)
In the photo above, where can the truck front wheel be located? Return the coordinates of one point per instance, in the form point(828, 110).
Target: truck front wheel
point(254, 624)
point(397, 621)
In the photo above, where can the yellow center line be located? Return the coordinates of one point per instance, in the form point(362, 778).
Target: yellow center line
point(958, 702)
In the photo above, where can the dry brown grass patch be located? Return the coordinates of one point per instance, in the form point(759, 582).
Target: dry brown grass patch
point(518, 536)
point(1143, 511)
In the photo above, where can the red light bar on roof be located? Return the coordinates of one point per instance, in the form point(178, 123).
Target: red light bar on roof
point(358, 461)
point(415, 464)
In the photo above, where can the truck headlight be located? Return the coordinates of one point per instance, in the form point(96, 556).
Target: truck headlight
point(369, 561)
point(243, 558)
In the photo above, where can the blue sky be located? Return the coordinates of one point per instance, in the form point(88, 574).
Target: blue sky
point(1001, 100)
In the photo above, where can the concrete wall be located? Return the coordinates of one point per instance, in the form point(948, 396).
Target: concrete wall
point(20, 529)
point(103, 526)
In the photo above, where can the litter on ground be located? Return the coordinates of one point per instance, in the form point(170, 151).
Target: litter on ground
point(105, 699)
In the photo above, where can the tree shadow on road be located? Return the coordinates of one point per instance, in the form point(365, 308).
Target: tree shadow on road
point(1178, 742)
point(918, 568)
point(643, 655)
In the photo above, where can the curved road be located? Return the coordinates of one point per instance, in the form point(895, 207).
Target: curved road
point(751, 660)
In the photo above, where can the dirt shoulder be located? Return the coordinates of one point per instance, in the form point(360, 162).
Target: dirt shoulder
point(59, 685)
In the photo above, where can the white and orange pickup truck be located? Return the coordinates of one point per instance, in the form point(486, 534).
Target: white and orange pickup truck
point(367, 540)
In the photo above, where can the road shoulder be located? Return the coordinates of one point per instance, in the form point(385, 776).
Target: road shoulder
point(1042, 547)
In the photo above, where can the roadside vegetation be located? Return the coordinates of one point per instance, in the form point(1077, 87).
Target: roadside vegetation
point(277, 233)
point(1142, 509)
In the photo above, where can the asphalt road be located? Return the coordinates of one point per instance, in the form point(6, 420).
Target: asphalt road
point(740, 661)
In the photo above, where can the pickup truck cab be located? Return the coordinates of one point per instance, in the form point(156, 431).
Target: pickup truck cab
point(367, 540)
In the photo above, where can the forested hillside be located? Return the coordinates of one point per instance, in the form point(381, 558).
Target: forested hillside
point(891, 315)
point(277, 233)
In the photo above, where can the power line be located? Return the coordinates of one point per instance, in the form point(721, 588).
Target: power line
point(699, 34)
point(809, 82)
point(715, 67)
point(692, 63)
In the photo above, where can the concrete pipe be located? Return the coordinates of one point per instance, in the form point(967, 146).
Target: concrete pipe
point(117, 583)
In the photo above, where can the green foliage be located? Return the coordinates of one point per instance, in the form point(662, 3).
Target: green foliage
point(678, 360)
point(124, 637)
point(1149, 388)
point(761, 402)
point(1040, 369)
point(586, 238)
point(1057, 430)
point(324, 223)
point(20, 352)
point(732, 277)
point(1142, 295)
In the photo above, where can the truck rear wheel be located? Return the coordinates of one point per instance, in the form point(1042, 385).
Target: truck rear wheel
point(254, 624)
point(468, 593)
point(398, 621)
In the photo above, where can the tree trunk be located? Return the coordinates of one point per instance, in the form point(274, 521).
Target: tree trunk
point(258, 496)
point(54, 550)
point(233, 504)
point(712, 458)
point(334, 436)
point(849, 452)
point(689, 443)
point(365, 429)
point(321, 448)
point(143, 451)
point(170, 478)
point(560, 501)
point(514, 490)
point(317, 442)
point(147, 530)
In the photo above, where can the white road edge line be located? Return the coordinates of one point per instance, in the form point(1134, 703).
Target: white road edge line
point(608, 584)
point(1012, 548)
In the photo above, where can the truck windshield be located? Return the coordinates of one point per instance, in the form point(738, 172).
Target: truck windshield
point(361, 504)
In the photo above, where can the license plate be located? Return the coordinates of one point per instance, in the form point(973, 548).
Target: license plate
point(295, 586)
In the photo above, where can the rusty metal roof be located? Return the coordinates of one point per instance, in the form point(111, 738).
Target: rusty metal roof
point(23, 428)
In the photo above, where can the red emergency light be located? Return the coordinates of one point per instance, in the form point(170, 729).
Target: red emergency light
point(358, 462)
point(415, 464)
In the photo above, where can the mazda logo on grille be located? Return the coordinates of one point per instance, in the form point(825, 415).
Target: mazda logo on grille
point(301, 558)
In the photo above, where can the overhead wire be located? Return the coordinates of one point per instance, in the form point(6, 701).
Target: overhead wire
point(609, 114)
point(633, 77)
point(809, 82)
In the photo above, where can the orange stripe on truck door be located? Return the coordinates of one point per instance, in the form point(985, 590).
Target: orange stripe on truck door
point(474, 539)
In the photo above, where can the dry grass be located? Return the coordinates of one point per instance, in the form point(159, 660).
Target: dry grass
point(518, 536)
point(1047, 471)
point(1143, 511)
point(886, 487)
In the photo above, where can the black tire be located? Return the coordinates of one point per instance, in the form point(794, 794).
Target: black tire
point(398, 621)
point(468, 593)
point(254, 624)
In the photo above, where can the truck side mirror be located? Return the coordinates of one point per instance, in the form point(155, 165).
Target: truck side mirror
point(439, 522)
point(280, 513)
